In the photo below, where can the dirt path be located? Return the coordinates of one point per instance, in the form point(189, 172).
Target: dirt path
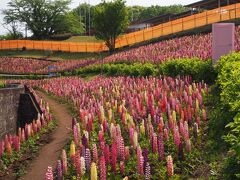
point(49, 153)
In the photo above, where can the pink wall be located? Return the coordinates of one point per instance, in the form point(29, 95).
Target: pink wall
point(223, 40)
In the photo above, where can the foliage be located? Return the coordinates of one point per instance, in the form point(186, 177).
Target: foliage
point(228, 69)
point(10, 36)
point(197, 69)
point(110, 19)
point(138, 13)
point(83, 11)
point(73, 23)
point(42, 18)
point(2, 84)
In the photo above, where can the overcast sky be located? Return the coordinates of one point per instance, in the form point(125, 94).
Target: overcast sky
point(129, 3)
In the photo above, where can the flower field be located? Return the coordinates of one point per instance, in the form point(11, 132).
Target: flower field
point(12, 147)
point(33, 66)
point(184, 47)
point(130, 127)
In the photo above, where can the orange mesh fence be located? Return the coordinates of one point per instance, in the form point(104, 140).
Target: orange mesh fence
point(186, 23)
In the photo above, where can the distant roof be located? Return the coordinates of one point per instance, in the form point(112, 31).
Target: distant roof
point(212, 4)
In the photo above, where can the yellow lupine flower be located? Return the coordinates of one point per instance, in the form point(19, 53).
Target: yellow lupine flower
point(94, 171)
point(72, 149)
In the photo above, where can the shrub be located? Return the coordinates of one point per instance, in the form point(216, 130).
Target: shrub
point(229, 82)
point(199, 70)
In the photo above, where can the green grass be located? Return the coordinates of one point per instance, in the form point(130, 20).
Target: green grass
point(51, 55)
point(83, 39)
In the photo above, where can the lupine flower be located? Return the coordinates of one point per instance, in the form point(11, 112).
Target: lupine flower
point(102, 168)
point(64, 162)
point(160, 147)
point(87, 158)
point(195, 130)
point(169, 166)
point(127, 153)
point(8, 147)
point(83, 165)
point(16, 143)
point(107, 154)
point(59, 170)
point(135, 139)
point(114, 156)
point(95, 153)
point(204, 115)
point(94, 175)
point(72, 149)
point(2, 148)
point(49, 173)
point(147, 171)
point(188, 145)
point(154, 143)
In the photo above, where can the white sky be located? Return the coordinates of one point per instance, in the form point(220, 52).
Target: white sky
point(3, 5)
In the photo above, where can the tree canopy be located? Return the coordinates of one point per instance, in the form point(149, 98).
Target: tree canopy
point(42, 17)
point(110, 19)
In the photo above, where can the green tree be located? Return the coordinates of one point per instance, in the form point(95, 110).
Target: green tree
point(137, 13)
point(83, 11)
point(110, 19)
point(43, 18)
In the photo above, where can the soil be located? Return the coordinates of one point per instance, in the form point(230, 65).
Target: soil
point(49, 153)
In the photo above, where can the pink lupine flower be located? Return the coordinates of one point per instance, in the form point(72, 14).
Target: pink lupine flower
point(78, 164)
point(59, 170)
point(19, 133)
point(122, 167)
point(16, 143)
point(154, 143)
point(147, 171)
point(166, 137)
point(49, 173)
point(95, 153)
point(75, 135)
point(2, 148)
point(102, 168)
point(107, 154)
point(127, 153)
point(204, 115)
point(176, 137)
point(64, 162)
point(169, 166)
point(121, 148)
point(114, 156)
